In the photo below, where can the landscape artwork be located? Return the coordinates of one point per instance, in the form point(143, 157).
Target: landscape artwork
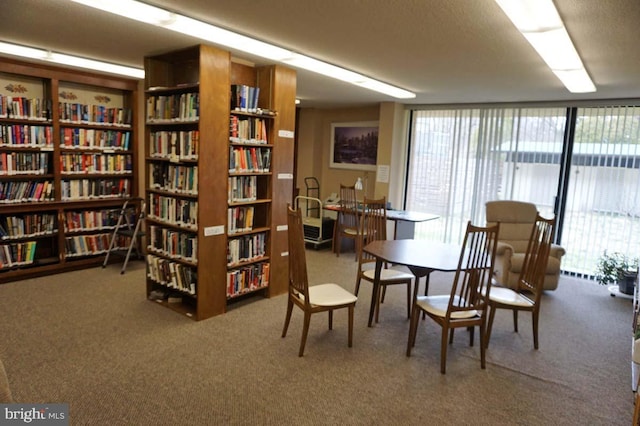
point(354, 145)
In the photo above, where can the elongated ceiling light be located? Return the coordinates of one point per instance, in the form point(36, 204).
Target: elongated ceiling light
point(172, 21)
point(69, 60)
point(540, 23)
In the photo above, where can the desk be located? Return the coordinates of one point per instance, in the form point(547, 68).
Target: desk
point(421, 257)
point(405, 220)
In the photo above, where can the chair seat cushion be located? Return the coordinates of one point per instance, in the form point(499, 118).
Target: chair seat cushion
point(438, 305)
point(330, 295)
point(506, 296)
point(350, 231)
point(388, 275)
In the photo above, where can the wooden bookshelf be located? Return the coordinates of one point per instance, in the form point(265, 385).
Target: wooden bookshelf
point(218, 180)
point(67, 163)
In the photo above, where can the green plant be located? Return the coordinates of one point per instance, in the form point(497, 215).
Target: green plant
point(614, 267)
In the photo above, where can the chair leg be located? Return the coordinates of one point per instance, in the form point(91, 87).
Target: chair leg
point(331, 319)
point(515, 320)
point(357, 284)
point(471, 333)
point(443, 349)
point(305, 331)
point(483, 362)
point(451, 336)
point(409, 299)
point(287, 318)
point(384, 293)
point(535, 329)
point(492, 313)
point(351, 325)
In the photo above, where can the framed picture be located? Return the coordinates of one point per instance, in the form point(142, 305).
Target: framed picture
point(354, 145)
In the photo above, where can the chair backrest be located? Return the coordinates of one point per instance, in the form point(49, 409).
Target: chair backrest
point(472, 282)
point(373, 225)
point(348, 216)
point(534, 266)
point(298, 279)
point(516, 220)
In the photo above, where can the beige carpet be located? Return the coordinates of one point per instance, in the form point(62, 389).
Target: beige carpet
point(89, 338)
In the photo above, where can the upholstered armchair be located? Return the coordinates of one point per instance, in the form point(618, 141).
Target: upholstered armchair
point(516, 220)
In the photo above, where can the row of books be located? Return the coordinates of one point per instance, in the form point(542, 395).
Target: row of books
point(242, 188)
point(175, 145)
point(174, 211)
point(24, 108)
point(174, 244)
point(92, 244)
point(26, 191)
point(248, 130)
point(172, 274)
point(17, 254)
point(239, 219)
point(104, 163)
point(176, 107)
point(244, 98)
point(26, 135)
point(94, 114)
point(28, 225)
point(89, 220)
point(253, 159)
point(95, 138)
point(87, 189)
point(246, 248)
point(180, 179)
point(24, 163)
point(246, 279)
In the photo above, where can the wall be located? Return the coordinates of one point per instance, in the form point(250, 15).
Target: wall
point(314, 138)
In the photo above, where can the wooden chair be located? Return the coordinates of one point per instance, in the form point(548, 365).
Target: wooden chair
point(374, 227)
point(466, 306)
point(348, 219)
point(531, 282)
point(318, 298)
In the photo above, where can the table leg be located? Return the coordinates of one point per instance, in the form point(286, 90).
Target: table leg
point(375, 292)
point(419, 273)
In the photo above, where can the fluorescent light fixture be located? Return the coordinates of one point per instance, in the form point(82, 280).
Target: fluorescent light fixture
point(142, 12)
point(540, 23)
point(576, 81)
point(68, 60)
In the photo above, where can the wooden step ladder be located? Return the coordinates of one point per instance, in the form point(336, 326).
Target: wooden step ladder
point(130, 225)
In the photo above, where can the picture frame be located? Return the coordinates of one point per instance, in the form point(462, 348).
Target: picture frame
point(354, 145)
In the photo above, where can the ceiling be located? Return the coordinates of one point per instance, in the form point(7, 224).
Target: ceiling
point(446, 51)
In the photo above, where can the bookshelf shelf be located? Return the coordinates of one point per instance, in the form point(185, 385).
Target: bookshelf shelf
point(67, 146)
point(213, 201)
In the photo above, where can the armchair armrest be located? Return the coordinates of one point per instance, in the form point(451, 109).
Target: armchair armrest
point(556, 251)
point(504, 249)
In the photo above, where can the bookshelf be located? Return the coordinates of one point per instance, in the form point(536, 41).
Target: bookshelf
point(67, 162)
point(219, 177)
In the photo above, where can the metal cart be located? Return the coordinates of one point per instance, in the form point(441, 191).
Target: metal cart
point(317, 230)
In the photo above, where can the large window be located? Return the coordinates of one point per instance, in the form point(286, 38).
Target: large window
point(460, 159)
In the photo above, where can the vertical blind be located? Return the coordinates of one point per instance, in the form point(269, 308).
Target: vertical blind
point(461, 158)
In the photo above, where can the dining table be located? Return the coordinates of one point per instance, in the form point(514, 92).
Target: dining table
point(421, 257)
point(404, 220)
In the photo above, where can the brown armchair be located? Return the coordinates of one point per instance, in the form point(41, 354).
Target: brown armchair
point(516, 221)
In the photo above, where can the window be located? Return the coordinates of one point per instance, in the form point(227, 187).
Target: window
point(461, 158)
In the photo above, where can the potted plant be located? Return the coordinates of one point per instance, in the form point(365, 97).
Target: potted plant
point(617, 268)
